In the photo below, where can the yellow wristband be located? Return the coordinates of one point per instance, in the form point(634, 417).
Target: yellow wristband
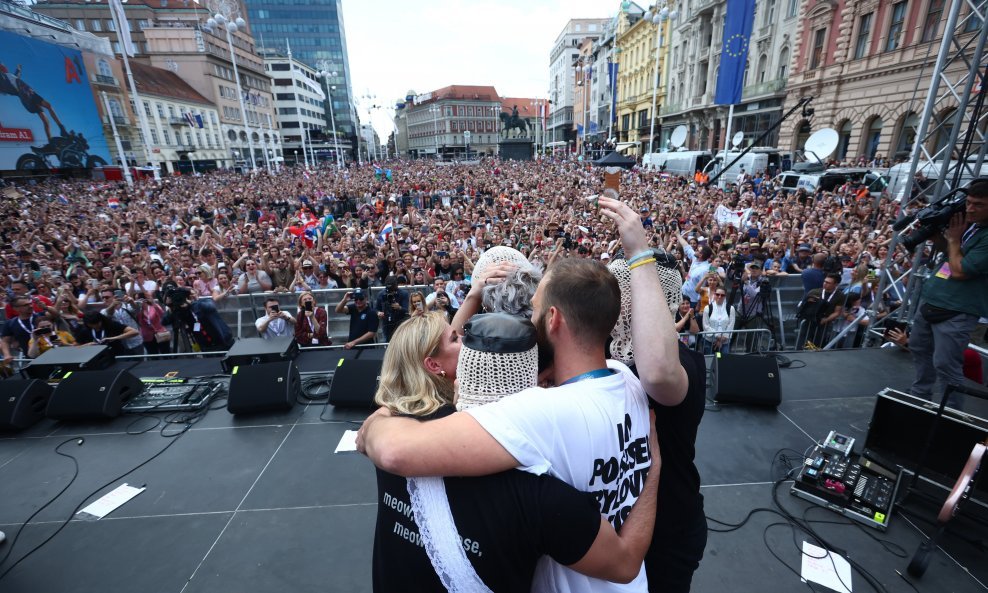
point(644, 262)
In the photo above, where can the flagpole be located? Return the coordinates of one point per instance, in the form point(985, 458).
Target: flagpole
point(727, 140)
point(138, 103)
point(116, 139)
point(189, 119)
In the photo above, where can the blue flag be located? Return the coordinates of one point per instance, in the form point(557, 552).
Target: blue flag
point(737, 35)
point(612, 76)
point(579, 130)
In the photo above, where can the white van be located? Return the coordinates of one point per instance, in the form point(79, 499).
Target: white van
point(898, 174)
point(679, 163)
point(757, 159)
point(830, 179)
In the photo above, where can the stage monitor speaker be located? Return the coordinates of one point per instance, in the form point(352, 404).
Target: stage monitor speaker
point(355, 382)
point(92, 395)
point(747, 379)
point(267, 387)
point(22, 403)
point(56, 363)
point(252, 351)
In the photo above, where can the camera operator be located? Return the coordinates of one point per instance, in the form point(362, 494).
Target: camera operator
point(46, 337)
point(952, 300)
point(275, 322)
point(198, 322)
point(392, 306)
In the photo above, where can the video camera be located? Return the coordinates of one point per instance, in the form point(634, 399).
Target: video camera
point(176, 297)
point(935, 217)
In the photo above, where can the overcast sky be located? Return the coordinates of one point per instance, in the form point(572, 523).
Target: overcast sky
point(395, 46)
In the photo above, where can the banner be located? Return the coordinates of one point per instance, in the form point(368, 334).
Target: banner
point(123, 29)
point(725, 216)
point(737, 34)
point(48, 117)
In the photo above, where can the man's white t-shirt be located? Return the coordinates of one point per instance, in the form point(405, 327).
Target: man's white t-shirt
point(593, 435)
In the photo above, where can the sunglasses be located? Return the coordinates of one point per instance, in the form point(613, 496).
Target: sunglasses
point(720, 294)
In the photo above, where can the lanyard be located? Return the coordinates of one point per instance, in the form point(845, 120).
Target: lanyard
point(30, 325)
point(99, 338)
point(970, 233)
point(594, 374)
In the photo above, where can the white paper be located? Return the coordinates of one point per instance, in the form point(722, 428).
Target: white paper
point(348, 443)
point(111, 501)
point(817, 567)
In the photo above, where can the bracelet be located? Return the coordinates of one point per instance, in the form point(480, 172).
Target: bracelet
point(639, 256)
point(643, 262)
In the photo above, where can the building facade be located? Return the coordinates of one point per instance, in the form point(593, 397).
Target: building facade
point(868, 66)
point(300, 105)
point(602, 94)
point(171, 36)
point(317, 36)
point(642, 46)
point(562, 77)
point(437, 122)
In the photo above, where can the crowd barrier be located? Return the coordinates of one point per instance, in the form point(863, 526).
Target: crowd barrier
point(743, 341)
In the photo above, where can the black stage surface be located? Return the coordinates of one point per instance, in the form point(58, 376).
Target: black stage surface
point(262, 504)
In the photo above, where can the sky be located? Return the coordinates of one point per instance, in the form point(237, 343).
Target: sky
point(423, 45)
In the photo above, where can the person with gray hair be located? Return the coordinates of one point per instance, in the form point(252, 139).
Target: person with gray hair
point(513, 295)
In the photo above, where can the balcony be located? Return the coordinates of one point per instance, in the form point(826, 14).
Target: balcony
point(105, 80)
point(670, 108)
point(177, 121)
point(119, 120)
point(765, 88)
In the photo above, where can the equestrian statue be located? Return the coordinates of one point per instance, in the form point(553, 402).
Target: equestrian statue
point(513, 121)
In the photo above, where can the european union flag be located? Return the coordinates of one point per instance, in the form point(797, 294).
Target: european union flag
point(737, 34)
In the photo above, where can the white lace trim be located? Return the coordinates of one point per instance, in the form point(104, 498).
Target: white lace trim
point(440, 538)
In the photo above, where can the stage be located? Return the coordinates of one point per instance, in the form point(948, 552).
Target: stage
point(261, 503)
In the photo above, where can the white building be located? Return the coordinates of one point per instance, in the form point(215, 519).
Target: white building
point(562, 77)
point(300, 108)
point(452, 118)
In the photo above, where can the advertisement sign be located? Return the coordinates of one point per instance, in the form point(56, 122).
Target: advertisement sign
point(48, 117)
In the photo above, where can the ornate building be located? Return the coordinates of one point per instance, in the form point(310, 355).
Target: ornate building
point(637, 37)
point(868, 65)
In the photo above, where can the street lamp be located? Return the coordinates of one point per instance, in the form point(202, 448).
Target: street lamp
point(232, 26)
point(659, 17)
point(327, 75)
point(435, 128)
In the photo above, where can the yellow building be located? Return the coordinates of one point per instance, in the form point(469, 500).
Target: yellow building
point(636, 42)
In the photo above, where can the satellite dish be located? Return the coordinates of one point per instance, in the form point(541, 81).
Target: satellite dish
point(736, 140)
point(822, 143)
point(678, 137)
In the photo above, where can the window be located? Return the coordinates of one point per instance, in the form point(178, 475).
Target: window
point(907, 135)
point(116, 109)
point(762, 67)
point(793, 8)
point(626, 122)
point(932, 22)
point(874, 136)
point(154, 136)
point(110, 25)
point(95, 25)
point(166, 136)
point(784, 63)
point(280, 67)
point(769, 13)
point(895, 26)
point(80, 24)
point(161, 110)
point(816, 56)
point(974, 22)
point(147, 109)
point(104, 68)
point(844, 142)
point(864, 34)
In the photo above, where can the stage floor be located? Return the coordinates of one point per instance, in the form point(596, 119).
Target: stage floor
point(261, 504)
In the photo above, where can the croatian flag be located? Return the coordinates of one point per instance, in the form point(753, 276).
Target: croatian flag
point(306, 175)
point(386, 230)
point(62, 199)
point(113, 203)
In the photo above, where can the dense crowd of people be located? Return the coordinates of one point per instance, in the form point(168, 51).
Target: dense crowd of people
point(72, 247)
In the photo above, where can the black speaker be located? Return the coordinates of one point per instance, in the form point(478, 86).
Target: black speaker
point(747, 379)
point(252, 351)
point(92, 395)
point(355, 382)
point(56, 363)
point(264, 387)
point(22, 403)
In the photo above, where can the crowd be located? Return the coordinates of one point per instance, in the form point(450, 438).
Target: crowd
point(70, 245)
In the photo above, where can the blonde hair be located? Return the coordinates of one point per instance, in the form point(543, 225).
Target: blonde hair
point(411, 301)
point(304, 294)
point(406, 386)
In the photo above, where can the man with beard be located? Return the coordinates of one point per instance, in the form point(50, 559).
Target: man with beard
point(567, 431)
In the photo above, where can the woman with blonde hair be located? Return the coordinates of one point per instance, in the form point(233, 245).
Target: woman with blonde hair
point(419, 366)
point(312, 324)
point(416, 304)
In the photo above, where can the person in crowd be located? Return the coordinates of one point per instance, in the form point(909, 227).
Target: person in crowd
point(45, 337)
point(813, 276)
point(363, 318)
point(275, 323)
point(98, 329)
point(253, 279)
point(392, 306)
point(686, 323)
point(120, 307)
point(416, 304)
point(818, 309)
point(224, 287)
point(699, 261)
point(150, 316)
point(312, 326)
point(196, 324)
point(581, 305)
point(493, 508)
point(718, 322)
point(205, 283)
point(953, 300)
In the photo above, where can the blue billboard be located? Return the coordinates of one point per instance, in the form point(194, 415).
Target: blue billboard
point(48, 117)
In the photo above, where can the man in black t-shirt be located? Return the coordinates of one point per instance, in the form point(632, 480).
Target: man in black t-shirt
point(363, 318)
point(17, 330)
point(99, 329)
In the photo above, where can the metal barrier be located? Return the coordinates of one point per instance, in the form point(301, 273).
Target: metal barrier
point(743, 341)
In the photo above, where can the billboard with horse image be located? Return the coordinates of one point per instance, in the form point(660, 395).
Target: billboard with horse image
point(48, 117)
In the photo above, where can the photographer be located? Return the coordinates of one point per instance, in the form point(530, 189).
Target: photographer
point(197, 325)
point(311, 327)
point(363, 318)
point(392, 306)
point(123, 313)
point(953, 299)
point(275, 322)
point(17, 331)
point(46, 337)
point(753, 297)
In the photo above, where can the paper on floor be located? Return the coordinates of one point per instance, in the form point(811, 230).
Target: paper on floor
point(348, 443)
point(111, 501)
point(820, 568)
